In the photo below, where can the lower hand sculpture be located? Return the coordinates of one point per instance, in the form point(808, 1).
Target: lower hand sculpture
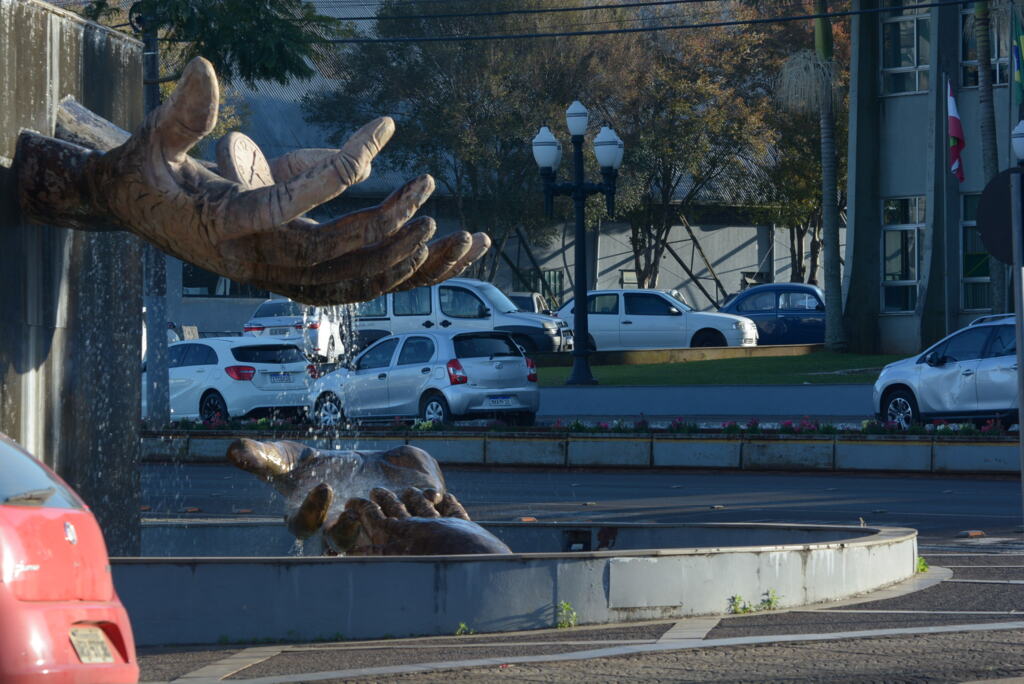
point(427, 520)
point(246, 220)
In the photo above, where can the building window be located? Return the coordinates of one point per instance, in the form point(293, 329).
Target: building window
point(903, 218)
point(906, 47)
point(197, 282)
point(999, 37)
point(976, 292)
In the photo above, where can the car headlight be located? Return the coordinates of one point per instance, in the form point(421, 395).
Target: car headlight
point(738, 325)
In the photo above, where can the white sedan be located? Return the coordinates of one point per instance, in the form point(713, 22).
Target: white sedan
point(657, 319)
point(234, 376)
point(317, 328)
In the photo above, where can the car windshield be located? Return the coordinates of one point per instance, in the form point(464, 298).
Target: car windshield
point(279, 307)
point(23, 482)
point(678, 296)
point(268, 353)
point(477, 345)
point(497, 299)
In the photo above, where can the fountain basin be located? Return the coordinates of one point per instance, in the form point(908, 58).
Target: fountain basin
point(652, 571)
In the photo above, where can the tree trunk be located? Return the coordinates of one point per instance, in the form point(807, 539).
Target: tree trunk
point(987, 122)
point(796, 254)
point(835, 337)
point(812, 275)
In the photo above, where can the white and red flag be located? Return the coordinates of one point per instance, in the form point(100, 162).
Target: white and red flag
point(956, 135)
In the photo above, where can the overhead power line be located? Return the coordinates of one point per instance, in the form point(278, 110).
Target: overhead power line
point(644, 29)
point(540, 10)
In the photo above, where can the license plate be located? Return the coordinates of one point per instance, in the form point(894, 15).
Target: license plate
point(499, 401)
point(280, 377)
point(279, 331)
point(91, 645)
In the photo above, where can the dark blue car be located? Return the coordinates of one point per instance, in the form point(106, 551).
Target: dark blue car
point(785, 313)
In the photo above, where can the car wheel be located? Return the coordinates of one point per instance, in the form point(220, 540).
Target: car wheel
point(328, 411)
point(708, 338)
point(433, 407)
point(212, 407)
point(900, 407)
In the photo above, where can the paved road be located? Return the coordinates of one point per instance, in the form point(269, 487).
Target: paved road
point(732, 401)
point(961, 621)
point(937, 506)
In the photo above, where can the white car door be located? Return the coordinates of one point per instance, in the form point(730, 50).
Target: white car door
point(603, 320)
point(178, 381)
point(366, 389)
point(650, 321)
point(413, 310)
point(950, 385)
point(409, 374)
point(459, 308)
point(997, 372)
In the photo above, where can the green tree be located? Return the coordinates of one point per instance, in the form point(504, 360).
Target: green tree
point(250, 40)
point(693, 123)
point(465, 111)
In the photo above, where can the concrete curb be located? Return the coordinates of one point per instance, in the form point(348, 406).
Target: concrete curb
point(885, 453)
point(314, 598)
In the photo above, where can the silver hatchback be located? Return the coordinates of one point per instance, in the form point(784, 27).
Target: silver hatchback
point(971, 374)
point(437, 376)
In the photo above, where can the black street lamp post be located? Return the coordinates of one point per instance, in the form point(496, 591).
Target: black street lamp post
point(547, 151)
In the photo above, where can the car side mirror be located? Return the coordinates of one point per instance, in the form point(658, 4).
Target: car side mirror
point(819, 307)
point(674, 312)
point(483, 312)
point(935, 359)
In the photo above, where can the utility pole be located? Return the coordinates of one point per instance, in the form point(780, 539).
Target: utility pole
point(154, 284)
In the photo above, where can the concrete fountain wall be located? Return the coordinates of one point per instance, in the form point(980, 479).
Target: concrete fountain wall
point(652, 572)
point(70, 314)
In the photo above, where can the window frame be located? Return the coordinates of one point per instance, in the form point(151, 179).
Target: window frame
point(965, 225)
point(1000, 64)
point(898, 15)
point(917, 228)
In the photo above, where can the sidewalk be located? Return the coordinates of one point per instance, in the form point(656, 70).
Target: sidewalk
point(963, 620)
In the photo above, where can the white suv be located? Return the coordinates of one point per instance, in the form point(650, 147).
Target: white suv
point(971, 374)
point(657, 319)
point(459, 304)
point(318, 328)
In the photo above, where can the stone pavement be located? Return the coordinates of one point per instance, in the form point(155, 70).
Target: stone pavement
point(961, 621)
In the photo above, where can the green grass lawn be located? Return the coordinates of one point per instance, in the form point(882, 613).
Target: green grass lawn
point(819, 368)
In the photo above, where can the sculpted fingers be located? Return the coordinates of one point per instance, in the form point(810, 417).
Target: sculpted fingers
point(303, 242)
point(265, 209)
point(265, 459)
point(346, 292)
point(417, 503)
point(444, 254)
point(389, 503)
point(312, 513)
point(360, 264)
point(451, 508)
point(190, 113)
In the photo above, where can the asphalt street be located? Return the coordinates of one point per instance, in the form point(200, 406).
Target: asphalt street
point(938, 506)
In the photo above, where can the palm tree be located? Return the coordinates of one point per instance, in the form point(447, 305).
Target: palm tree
point(807, 81)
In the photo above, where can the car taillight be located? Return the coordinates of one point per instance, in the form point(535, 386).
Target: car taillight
point(456, 374)
point(297, 326)
point(313, 372)
point(253, 328)
point(531, 370)
point(313, 326)
point(240, 372)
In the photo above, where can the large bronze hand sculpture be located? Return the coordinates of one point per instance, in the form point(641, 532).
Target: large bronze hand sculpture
point(345, 497)
point(246, 221)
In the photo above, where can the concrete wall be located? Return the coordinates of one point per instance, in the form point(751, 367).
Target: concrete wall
point(209, 600)
point(883, 453)
point(70, 315)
